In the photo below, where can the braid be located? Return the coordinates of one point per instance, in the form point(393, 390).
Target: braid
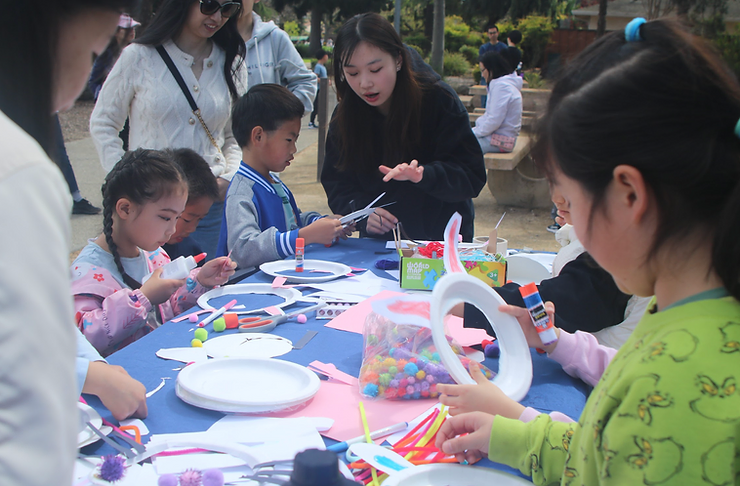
point(109, 202)
point(140, 176)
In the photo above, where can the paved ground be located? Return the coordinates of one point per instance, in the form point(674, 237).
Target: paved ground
point(522, 227)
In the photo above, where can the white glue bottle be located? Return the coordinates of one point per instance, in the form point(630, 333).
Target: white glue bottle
point(179, 268)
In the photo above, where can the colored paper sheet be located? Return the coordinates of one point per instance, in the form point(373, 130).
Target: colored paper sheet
point(330, 370)
point(341, 403)
point(353, 319)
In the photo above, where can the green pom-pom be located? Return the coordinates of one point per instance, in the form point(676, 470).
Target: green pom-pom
point(372, 339)
point(385, 378)
point(393, 370)
point(201, 334)
point(219, 325)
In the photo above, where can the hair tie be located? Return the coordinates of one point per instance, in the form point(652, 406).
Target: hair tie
point(632, 31)
point(737, 129)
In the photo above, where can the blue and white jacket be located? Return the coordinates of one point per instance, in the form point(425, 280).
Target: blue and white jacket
point(254, 227)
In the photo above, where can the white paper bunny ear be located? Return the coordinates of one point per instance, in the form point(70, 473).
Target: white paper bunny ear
point(451, 257)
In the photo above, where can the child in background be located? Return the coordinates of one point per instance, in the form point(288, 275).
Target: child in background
point(262, 220)
point(497, 129)
point(654, 195)
point(202, 193)
point(143, 195)
point(320, 71)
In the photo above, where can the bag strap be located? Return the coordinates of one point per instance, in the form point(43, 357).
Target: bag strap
point(181, 82)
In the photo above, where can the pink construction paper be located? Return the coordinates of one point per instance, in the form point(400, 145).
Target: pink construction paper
point(341, 403)
point(278, 282)
point(332, 372)
point(353, 319)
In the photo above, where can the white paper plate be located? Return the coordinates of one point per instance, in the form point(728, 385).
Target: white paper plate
point(85, 435)
point(523, 270)
point(452, 475)
point(247, 385)
point(289, 295)
point(247, 345)
point(286, 268)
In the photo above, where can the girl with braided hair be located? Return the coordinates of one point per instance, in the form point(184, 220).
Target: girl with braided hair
point(143, 196)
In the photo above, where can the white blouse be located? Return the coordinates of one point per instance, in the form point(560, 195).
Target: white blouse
point(141, 88)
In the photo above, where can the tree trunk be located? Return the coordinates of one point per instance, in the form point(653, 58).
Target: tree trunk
point(438, 37)
point(314, 39)
point(397, 17)
point(601, 25)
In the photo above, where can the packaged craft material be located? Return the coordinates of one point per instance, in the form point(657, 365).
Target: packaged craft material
point(400, 359)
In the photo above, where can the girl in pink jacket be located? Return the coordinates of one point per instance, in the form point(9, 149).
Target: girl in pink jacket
point(115, 304)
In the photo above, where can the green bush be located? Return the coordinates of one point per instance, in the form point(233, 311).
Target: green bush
point(470, 53)
point(476, 39)
point(456, 32)
point(455, 64)
point(305, 51)
point(476, 73)
point(536, 32)
point(534, 80)
point(504, 27)
point(419, 40)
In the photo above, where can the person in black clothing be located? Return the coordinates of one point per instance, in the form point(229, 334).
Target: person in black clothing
point(585, 296)
point(513, 54)
point(400, 132)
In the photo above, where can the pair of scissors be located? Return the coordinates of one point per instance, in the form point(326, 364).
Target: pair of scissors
point(267, 324)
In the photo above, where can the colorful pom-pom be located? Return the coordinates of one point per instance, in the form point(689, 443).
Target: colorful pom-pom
point(193, 317)
point(370, 390)
point(201, 334)
point(167, 480)
point(196, 343)
point(410, 369)
point(112, 468)
point(385, 379)
point(219, 325)
point(191, 477)
point(420, 375)
point(213, 477)
point(301, 318)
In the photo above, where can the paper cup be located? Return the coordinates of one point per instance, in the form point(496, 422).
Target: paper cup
point(502, 246)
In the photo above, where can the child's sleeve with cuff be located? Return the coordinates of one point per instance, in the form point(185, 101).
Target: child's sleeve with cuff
point(187, 296)
point(537, 448)
point(582, 356)
point(249, 244)
point(108, 322)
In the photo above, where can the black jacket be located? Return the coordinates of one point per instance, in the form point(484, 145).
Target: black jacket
point(585, 297)
point(454, 172)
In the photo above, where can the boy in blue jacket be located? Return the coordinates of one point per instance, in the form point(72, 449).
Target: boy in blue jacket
point(261, 219)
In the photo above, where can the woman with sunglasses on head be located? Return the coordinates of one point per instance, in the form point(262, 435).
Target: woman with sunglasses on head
point(398, 131)
point(201, 40)
point(53, 45)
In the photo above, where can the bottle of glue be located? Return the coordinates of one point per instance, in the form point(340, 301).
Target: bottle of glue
point(300, 247)
point(179, 268)
point(535, 306)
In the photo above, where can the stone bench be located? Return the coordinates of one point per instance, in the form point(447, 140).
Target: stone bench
point(514, 180)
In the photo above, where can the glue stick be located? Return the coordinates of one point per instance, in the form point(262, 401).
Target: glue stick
point(535, 306)
point(300, 245)
point(179, 268)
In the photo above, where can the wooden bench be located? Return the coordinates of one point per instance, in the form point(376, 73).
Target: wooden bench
point(514, 180)
point(528, 118)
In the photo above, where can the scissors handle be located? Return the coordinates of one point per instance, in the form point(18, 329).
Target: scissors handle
point(250, 322)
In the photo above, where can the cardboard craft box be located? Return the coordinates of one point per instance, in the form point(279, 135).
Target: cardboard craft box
point(420, 273)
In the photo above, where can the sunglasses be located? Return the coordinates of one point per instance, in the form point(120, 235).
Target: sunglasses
point(228, 9)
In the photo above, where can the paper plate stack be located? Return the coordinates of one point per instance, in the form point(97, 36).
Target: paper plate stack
point(246, 385)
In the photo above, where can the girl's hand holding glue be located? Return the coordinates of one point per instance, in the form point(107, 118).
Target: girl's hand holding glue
point(216, 272)
point(158, 289)
point(530, 332)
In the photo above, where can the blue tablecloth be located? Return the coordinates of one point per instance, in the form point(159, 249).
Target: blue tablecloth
point(552, 389)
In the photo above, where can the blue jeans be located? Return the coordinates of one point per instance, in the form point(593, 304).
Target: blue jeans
point(485, 145)
point(206, 235)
